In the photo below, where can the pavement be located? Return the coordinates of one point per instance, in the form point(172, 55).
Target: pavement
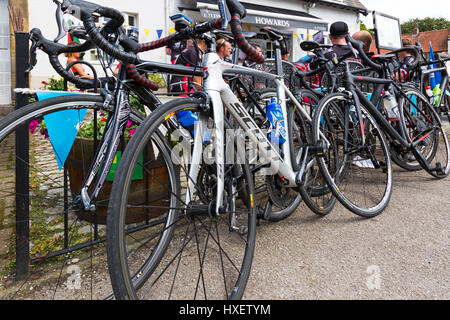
point(400, 254)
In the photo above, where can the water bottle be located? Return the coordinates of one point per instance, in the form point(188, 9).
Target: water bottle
point(276, 119)
point(437, 95)
point(391, 106)
point(187, 119)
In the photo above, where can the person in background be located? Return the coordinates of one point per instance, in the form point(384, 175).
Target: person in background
point(77, 69)
point(285, 49)
point(191, 58)
point(223, 49)
point(405, 58)
point(174, 50)
point(365, 37)
point(338, 31)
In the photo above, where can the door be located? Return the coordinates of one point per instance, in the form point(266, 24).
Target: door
point(5, 55)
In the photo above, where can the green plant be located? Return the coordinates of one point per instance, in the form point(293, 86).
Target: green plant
point(54, 84)
point(157, 78)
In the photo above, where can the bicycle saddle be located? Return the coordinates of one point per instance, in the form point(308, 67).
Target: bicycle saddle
point(275, 34)
point(229, 34)
point(309, 45)
point(384, 57)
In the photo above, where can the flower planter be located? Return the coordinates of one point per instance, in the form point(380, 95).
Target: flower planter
point(147, 184)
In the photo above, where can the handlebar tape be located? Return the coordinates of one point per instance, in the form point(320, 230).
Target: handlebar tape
point(208, 26)
point(358, 45)
point(85, 83)
point(242, 43)
point(412, 50)
point(141, 80)
point(156, 44)
point(100, 40)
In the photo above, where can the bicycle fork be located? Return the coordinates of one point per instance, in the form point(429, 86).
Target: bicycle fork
point(108, 147)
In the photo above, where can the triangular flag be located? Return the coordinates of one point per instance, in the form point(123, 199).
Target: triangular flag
point(302, 35)
point(159, 32)
point(435, 78)
point(296, 35)
point(249, 27)
point(172, 30)
point(62, 126)
point(146, 31)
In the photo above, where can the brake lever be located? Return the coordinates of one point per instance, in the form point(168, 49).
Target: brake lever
point(62, 27)
point(33, 54)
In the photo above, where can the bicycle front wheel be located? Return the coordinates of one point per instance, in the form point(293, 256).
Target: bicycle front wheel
point(46, 151)
point(361, 178)
point(182, 249)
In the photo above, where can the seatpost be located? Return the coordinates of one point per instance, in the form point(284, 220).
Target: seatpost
point(278, 61)
point(210, 43)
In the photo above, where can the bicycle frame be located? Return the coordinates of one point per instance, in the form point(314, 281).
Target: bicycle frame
point(115, 125)
point(221, 96)
point(360, 97)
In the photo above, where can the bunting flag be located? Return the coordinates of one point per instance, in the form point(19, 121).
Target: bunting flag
point(62, 126)
point(296, 35)
point(159, 32)
point(249, 27)
point(172, 30)
point(435, 78)
point(147, 32)
point(303, 36)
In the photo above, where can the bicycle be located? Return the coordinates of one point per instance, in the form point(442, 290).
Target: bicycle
point(72, 199)
point(360, 129)
point(226, 222)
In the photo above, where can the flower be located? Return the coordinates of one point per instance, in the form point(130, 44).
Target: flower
point(33, 125)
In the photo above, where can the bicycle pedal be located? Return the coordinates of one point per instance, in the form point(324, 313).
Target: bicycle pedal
point(439, 171)
point(242, 230)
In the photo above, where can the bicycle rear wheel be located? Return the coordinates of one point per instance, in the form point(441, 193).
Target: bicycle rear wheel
point(60, 235)
point(315, 191)
point(274, 200)
point(182, 250)
point(422, 124)
point(362, 180)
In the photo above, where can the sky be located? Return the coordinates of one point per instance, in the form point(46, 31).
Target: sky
point(408, 9)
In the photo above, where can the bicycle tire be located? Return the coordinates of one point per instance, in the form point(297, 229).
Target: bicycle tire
point(48, 208)
point(315, 191)
point(368, 152)
point(274, 201)
point(186, 267)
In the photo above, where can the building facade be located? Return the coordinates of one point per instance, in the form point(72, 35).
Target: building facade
point(5, 55)
point(303, 18)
